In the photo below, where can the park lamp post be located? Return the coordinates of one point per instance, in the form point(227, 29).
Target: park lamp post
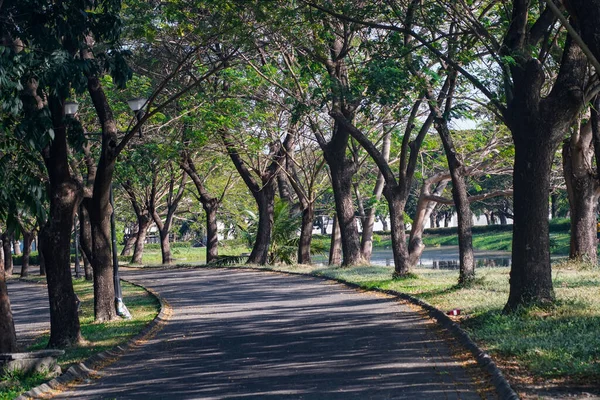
point(136, 106)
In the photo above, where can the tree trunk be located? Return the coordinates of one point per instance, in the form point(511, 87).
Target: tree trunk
point(143, 225)
point(212, 231)
point(8, 336)
point(100, 256)
point(308, 216)
point(27, 239)
point(165, 246)
point(55, 247)
point(531, 273)
point(265, 200)
point(335, 250)
point(341, 179)
point(129, 244)
point(582, 187)
point(424, 210)
point(461, 200)
point(7, 250)
point(397, 201)
point(55, 238)
point(16, 247)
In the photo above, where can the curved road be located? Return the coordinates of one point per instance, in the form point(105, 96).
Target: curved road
point(255, 335)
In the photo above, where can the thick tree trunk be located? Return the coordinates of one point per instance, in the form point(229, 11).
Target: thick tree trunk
point(55, 238)
point(366, 243)
point(582, 187)
point(8, 336)
point(335, 250)
point(531, 273)
point(27, 240)
point(100, 256)
point(341, 179)
point(55, 247)
point(308, 216)
point(143, 225)
point(265, 200)
point(7, 250)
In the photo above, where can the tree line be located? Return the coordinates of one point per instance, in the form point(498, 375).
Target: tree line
point(337, 107)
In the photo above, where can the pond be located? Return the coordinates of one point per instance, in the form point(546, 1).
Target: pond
point(445, 257)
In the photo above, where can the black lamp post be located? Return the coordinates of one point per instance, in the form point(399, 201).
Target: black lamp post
point(136, 106)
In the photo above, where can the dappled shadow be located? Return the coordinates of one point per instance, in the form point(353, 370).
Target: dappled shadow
point(31, 311)
point(240, 334)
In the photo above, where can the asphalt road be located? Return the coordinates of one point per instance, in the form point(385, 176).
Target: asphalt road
point(31, 312)
point(255, 335)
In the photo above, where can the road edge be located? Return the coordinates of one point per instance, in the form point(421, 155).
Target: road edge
point(88, 368)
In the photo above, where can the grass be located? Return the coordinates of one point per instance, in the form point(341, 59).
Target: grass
point(152, 254)
point(98, 336)
point(560, 343)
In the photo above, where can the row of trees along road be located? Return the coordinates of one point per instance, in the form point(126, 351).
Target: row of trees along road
point(252, 105)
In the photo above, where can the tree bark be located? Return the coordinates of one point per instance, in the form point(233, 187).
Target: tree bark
point(366, 244)
point(308, 216)
point(55, 238)
point(129, 244)
point(461, 199)
point(210, 205)
point(538, 125)
point(582, 188)
point(265, 200)
point(144, 222)
point(8, 336)
point(27, 240)
point(16, 247)
point(335, 250)
point(397, 201)
point(7, 250)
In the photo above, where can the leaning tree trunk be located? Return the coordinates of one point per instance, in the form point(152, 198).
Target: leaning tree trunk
point(265, 200)
point(308, 216)
point(27, 240)
point(8, 336)
point(335, 250)
point(129, 244)
point(144, 222)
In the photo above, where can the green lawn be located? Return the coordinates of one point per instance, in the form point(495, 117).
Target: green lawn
point(99, 336)
point(185, 254)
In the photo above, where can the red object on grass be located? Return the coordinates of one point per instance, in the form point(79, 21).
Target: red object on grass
point(456, 311)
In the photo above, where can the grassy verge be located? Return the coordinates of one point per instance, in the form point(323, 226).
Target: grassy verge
point(99, 336)
point(558, 345)
point(183, 255)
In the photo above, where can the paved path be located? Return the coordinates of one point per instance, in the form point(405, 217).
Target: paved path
point(255, 335)
point(31, 312)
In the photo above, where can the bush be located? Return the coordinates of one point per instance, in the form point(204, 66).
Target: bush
point(34, 259)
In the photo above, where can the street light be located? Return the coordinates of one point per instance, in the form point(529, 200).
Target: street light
point(71, 108)
point(137, 106)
